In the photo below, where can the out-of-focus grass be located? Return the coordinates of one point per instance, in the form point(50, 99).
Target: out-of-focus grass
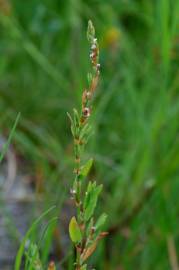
point(135, 143)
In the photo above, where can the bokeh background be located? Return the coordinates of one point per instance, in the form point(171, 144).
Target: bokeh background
point(44, 59)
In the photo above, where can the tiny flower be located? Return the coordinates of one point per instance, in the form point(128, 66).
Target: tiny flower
point(93, 47)
point(73, 191)
point(98, 66)
point(92, 55)
point(86, 112)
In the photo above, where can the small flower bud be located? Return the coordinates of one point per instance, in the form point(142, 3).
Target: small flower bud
point(91, 55)
point(73, 191)
point(93, 229)
point(86, 112)
point(93, 47)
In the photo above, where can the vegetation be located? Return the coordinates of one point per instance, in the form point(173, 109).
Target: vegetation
point(135, 144)
point(84, 231)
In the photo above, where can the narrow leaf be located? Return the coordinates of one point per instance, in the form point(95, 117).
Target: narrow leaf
point(22, 246)
point(89, 77)
point(5, 147)
point(91, 200)
point(85, 131)
point(76, 118)
point(101, 220)
point(86, 168)
point(72, 124)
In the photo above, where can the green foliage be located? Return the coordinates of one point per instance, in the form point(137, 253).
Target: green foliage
point(33, 248)
point(100, 221)
point(43, 69)
point(91, 198)
point(81, 233)
point(74, 230)
point(86, 168)
point(32, 258)
point(84, 267)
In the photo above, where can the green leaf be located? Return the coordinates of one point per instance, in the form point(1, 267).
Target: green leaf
point(91, 198)
point(74, 231)
point(86, 168)
point(84, 267)
point(76, 118)
point(89, 77)
point(89, 226)
point(85, 131)
point(69, 116)
point(101, 220)
point(72, 124)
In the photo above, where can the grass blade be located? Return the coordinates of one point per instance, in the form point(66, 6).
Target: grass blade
point(22, 246)
point(5, 147)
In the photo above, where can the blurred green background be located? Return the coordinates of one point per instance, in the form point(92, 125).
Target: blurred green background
point(43, 65)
